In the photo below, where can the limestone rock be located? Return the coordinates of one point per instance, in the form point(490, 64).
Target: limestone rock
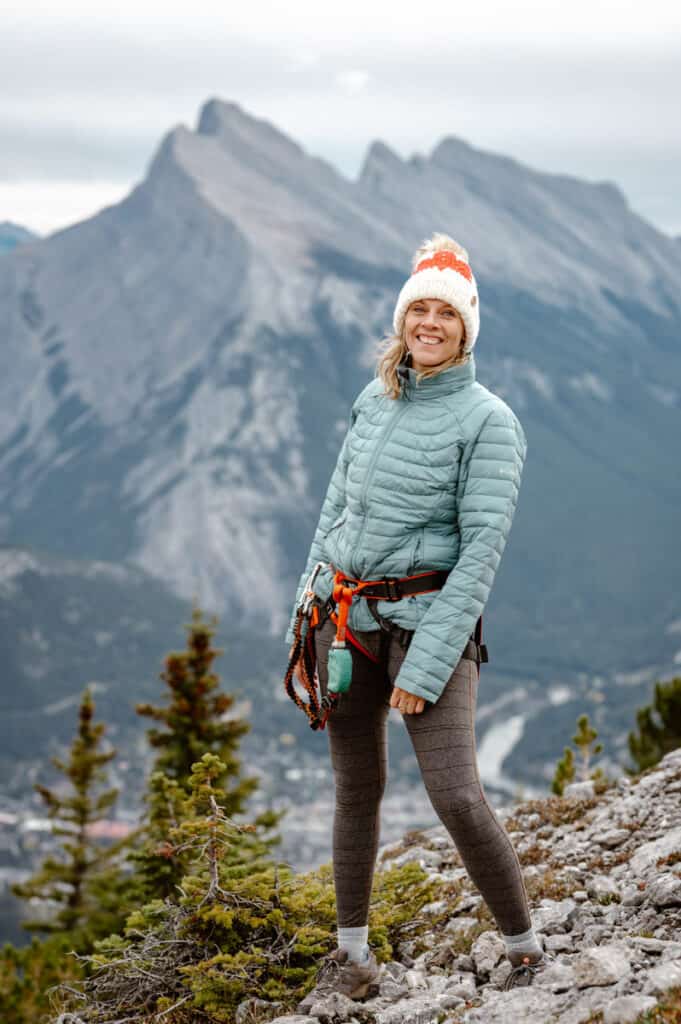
point(579, 790)
point(462, 985)
point(256, 1011)
point(600, 965)
point(487, 951)
point(420, 855)
point(665, 890)
point(460, 924)
point(627, 1009)
point(425, 1009)
point(554, 915)
point(664, 976)
point(602, 886)
point(614, 837)
point(648, 854)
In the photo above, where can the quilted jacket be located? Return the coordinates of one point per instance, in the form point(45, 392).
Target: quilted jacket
point(429, 480)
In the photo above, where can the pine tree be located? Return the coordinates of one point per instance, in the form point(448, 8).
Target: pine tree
point(28, 974)
point(194, 722)
point(232, 935)
point(195, 719)
point(566, 767)
point(659, 726)
point(82, 882)
point(583, 739)
point(565, 771)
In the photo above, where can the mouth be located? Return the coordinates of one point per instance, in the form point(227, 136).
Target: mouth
point(428, 339)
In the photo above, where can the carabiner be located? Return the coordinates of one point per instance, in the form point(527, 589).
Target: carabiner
point(308, 593)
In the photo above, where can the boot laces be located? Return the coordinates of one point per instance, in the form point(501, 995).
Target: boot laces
point(525, 970)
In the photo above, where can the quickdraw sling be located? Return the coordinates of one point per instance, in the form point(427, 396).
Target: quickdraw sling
point(308, 619)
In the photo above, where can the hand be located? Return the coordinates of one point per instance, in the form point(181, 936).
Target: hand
point(407, 703)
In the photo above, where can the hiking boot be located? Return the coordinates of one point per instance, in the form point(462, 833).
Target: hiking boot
point(338, 974)
point(524, 968)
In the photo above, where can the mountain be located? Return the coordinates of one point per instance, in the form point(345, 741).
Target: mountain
point(66, 624)
point(179, 369)
point(12, 235)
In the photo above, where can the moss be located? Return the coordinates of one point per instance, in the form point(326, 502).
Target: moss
point(667, 1011)
point(672, 858)
point(552, 810)
point(604, 862)
point(534, 854)
point(550, 885)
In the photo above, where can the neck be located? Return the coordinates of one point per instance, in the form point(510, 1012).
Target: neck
point(454, 378)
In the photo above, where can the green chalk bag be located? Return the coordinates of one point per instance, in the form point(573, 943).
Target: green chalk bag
point(339, 667)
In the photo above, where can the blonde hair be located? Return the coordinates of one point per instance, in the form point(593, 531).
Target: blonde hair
point(397, 350)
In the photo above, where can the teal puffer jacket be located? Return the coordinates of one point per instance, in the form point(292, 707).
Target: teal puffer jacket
point(429, 480)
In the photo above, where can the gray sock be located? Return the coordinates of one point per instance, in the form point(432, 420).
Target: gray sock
point(354, 940)
point(525, 942)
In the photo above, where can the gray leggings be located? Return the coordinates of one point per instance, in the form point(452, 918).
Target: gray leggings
point(443, 736)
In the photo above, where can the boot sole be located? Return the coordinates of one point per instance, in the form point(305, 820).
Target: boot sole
point(368, 988)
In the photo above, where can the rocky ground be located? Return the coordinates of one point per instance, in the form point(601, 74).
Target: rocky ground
point(603, 873)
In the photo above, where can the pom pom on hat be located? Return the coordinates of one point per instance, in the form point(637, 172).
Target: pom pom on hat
point(440, 270)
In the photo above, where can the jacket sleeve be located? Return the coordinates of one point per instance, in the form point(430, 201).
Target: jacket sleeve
point(487, 502)
point(332, 507)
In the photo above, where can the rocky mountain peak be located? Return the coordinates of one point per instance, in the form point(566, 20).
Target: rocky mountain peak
point(380, 160)
point(232, 127)
point(12, 234)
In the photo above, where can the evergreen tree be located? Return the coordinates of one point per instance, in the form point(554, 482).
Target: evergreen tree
point(585, 736)
point(659, 726)
point(28, 975)
point(193, 722)
point(565, 771)
point(82, 883)
point(566, 768)
point(232, 934)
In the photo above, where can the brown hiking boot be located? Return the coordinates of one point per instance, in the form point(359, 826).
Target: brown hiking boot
point(338, 974)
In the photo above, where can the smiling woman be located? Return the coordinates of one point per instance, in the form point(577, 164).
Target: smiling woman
point(409, 539)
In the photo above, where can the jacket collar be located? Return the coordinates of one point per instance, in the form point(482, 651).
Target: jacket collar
point(444, 383)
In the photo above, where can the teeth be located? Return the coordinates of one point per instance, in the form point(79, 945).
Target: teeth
point(425, 340)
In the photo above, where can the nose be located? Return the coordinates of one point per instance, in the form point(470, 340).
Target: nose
point(429, 318)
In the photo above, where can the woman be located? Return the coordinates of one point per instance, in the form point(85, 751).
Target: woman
point(427, 479)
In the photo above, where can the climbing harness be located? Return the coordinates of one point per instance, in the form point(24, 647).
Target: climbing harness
point(387, 589)
point(309, 618)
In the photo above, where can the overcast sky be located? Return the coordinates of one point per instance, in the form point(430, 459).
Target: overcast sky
point(587, 88)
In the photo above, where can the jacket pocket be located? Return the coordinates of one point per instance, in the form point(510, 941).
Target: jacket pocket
point(417, 551)
point(337, 522)
point(330, 547)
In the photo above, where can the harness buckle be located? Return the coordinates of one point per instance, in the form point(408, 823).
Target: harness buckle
point(393, 588)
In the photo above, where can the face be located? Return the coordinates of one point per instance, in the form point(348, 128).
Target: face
point(433, 331)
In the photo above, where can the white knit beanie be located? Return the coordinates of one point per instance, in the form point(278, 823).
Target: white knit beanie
point(440, 270)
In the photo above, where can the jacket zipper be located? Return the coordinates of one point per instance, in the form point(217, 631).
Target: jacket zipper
point(399, 413)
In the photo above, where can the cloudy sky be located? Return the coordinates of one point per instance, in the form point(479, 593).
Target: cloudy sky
point(589, 88)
